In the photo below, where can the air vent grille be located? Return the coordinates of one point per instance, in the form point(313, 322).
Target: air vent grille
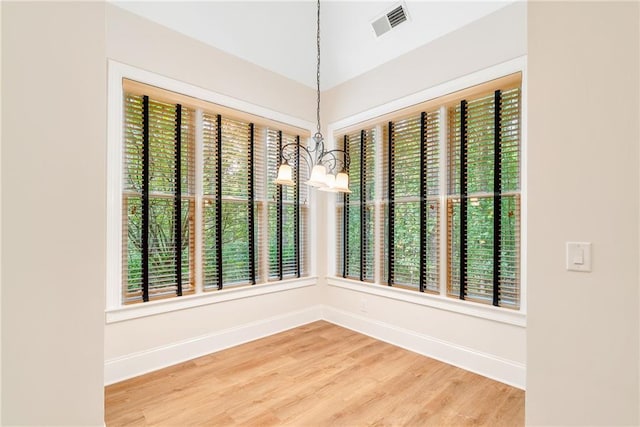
point(397, 16)
point(391, 19)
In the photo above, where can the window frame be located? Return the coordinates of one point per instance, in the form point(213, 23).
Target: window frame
point(116, 309)
point(381, 114)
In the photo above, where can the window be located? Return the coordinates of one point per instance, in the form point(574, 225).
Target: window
point(287, 216)
point(356, 210)
point(450, 184)
point(483, 201)
point(200, 209)
point(411, 201)
point(158, 198)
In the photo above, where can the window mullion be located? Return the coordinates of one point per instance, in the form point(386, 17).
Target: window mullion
point(444, 173)
point(199, 176)
point(378, 207)
point(296, 208)
point(264, 248)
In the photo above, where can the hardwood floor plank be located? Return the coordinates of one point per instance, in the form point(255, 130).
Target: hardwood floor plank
point(316, 375)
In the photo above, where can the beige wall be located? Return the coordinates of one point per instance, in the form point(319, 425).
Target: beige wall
point(478, 45)
point(53, 212)
point(582, 334)
point(0, 221)
point(141, 43)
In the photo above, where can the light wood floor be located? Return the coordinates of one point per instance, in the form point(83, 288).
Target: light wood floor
point(315, 375)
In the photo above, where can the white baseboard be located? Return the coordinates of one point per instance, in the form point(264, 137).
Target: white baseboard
point(139, 363)
point(132, 365)
point(505, 371)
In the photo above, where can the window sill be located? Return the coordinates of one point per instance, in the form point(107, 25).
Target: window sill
point(469, 308)
point(119, 314)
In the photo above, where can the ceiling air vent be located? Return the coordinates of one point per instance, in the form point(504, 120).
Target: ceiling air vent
point(391, 19)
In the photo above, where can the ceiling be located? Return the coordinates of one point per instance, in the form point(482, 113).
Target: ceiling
point(280, 35)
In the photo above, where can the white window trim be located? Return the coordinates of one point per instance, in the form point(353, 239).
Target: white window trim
point(442, 301)
point(469, 308)
point(151, 308)
point(115, 310)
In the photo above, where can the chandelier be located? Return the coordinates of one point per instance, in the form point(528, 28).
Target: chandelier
point(328, 167)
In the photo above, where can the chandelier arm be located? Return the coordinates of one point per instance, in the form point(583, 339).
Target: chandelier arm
point(340, 157)
point(289, 156)
point(329, 160)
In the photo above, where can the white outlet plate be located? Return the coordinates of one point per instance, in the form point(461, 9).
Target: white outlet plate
point(363, 305)
point(579, 256)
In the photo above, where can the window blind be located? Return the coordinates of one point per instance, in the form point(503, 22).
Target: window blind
point(411, 202)
point(233, 168)
point(158, 199)
point(212, 179)
point(483, 199)
point(356, 211)
point(237, 218)
point(287, 211)
point(464, 144)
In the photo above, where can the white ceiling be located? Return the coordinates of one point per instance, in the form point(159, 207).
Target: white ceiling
point(280, 35)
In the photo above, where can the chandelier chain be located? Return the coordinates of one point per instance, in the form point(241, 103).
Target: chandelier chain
point(318, 71)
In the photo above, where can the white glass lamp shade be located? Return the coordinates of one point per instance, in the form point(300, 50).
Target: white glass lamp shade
point(318, 176)
point(285, 175)
point(330, 180)
point(342, 183)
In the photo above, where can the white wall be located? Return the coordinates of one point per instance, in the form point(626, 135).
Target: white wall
point(493, 348)
point(491, 40)
point(582, 334)
point(138, 345)
point(144, 44)
point(0, 221)
point(53, 213)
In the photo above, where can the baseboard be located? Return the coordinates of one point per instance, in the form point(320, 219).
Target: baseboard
point(490, 366)
point(135, 364)
point(487, 365)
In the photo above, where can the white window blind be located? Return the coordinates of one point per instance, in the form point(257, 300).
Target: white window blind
point(210, 153)
point(236, 169)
